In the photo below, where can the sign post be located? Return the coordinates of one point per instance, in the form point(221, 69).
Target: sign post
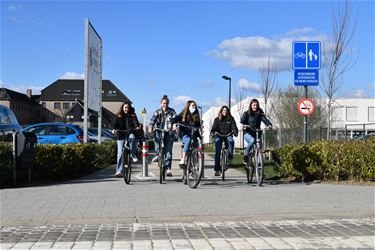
point(306, 65)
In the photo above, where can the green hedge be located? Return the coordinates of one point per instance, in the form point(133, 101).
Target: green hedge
point(61, 161)
point(328, 160)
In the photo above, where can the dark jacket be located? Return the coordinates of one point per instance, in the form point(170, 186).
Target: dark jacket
point(225, 126)
point(190, 122)
point(254, 121)
point(128, 122)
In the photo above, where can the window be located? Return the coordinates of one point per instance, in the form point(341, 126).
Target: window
point(38, 130)
point(67, 92)
point(371, 114)
point(66, 105)
point(57, 105)
point(351, 114)
point(112, 93)
point(60, 130)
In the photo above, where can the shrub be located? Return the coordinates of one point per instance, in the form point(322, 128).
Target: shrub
point(54, 161)
point(328, 160)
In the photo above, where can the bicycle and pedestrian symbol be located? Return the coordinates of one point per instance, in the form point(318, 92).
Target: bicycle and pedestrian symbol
point(306, 106)
point(306, 63)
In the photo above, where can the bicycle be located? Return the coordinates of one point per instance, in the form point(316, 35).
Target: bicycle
point(161, 155)
point(256, 160)
point(192, 173)
point(224, 153)
point(127, 161)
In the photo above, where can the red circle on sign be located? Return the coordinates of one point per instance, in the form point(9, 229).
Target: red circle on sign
point(306, 106)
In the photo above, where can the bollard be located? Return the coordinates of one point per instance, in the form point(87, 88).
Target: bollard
point(145, 156)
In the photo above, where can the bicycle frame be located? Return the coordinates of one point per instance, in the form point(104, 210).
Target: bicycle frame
point(161, 154)
point(256, 161)
point(193, 172)
point(223, 153)
point(127, 162)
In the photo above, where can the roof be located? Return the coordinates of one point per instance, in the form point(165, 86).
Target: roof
point(7, 94)
point(73, 89)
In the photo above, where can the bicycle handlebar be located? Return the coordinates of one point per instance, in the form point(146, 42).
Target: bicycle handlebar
point(223, 136)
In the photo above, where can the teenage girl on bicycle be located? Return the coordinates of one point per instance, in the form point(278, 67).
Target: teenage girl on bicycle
point(189, 116)
point(163, 118)
point(125, 120)
point(252, 118)
point(224, 124)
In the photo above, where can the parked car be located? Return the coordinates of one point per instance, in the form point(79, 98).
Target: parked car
point(8, 123)
point(93, 133)
point(56, 132)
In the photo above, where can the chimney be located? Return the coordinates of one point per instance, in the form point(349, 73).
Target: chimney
point(29, 93)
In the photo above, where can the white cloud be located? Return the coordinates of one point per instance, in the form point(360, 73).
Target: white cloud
point(72, 75)
point(372, 86)
point(2, 85)
point(217, 102)
point(299, 31)
point(359, 93)
point(253, 52)
point(179, 100)
point(245, 84)
point(12, 8)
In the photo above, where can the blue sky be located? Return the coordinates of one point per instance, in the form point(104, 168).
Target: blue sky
point(178, 48)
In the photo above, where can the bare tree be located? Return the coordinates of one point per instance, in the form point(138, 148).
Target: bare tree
point(285, 112)
point(338, 59)
point(268, 77)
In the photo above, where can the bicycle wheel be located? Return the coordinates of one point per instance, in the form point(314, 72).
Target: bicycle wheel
point(161, 166)
point(127, 167)
point(250, 169)
point(223, 162)
point(259, 169)
point(194, 168)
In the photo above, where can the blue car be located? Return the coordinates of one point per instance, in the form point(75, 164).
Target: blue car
point(56, 132)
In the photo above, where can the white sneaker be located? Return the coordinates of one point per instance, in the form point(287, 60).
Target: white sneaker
point(118, 174)
point(155, 159)
point(135, 159)
point(182, 162)
point(169, 172)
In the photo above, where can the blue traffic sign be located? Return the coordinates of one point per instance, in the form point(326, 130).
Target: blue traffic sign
point(306, 77)
point(306, 55)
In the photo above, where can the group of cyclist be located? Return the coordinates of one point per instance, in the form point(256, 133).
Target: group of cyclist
point(167, 119)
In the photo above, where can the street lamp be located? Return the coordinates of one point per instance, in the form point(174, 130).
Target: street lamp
point(230, 83)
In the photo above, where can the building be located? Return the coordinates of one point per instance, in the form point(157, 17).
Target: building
point(67, 95)
point(62, 101)
point(26, 107)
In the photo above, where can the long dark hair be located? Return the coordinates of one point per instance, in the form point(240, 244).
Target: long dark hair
point(221, 111)
point(121, 112)
point(186, 111)
point(250, 110)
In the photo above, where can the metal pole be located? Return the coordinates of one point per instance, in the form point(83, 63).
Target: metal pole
point(230, 87)
point(144, 149)
point(14, 158)
point(305, 122)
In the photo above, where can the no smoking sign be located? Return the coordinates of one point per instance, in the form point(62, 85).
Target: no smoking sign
point(306, 106)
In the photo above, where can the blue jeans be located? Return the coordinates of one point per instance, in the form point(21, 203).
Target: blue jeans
point(120, 145)
point(218, 145)
point(250, 142)
point(186, 142)
point(168, 145)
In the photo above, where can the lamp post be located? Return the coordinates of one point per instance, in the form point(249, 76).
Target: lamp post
point(230, 83)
